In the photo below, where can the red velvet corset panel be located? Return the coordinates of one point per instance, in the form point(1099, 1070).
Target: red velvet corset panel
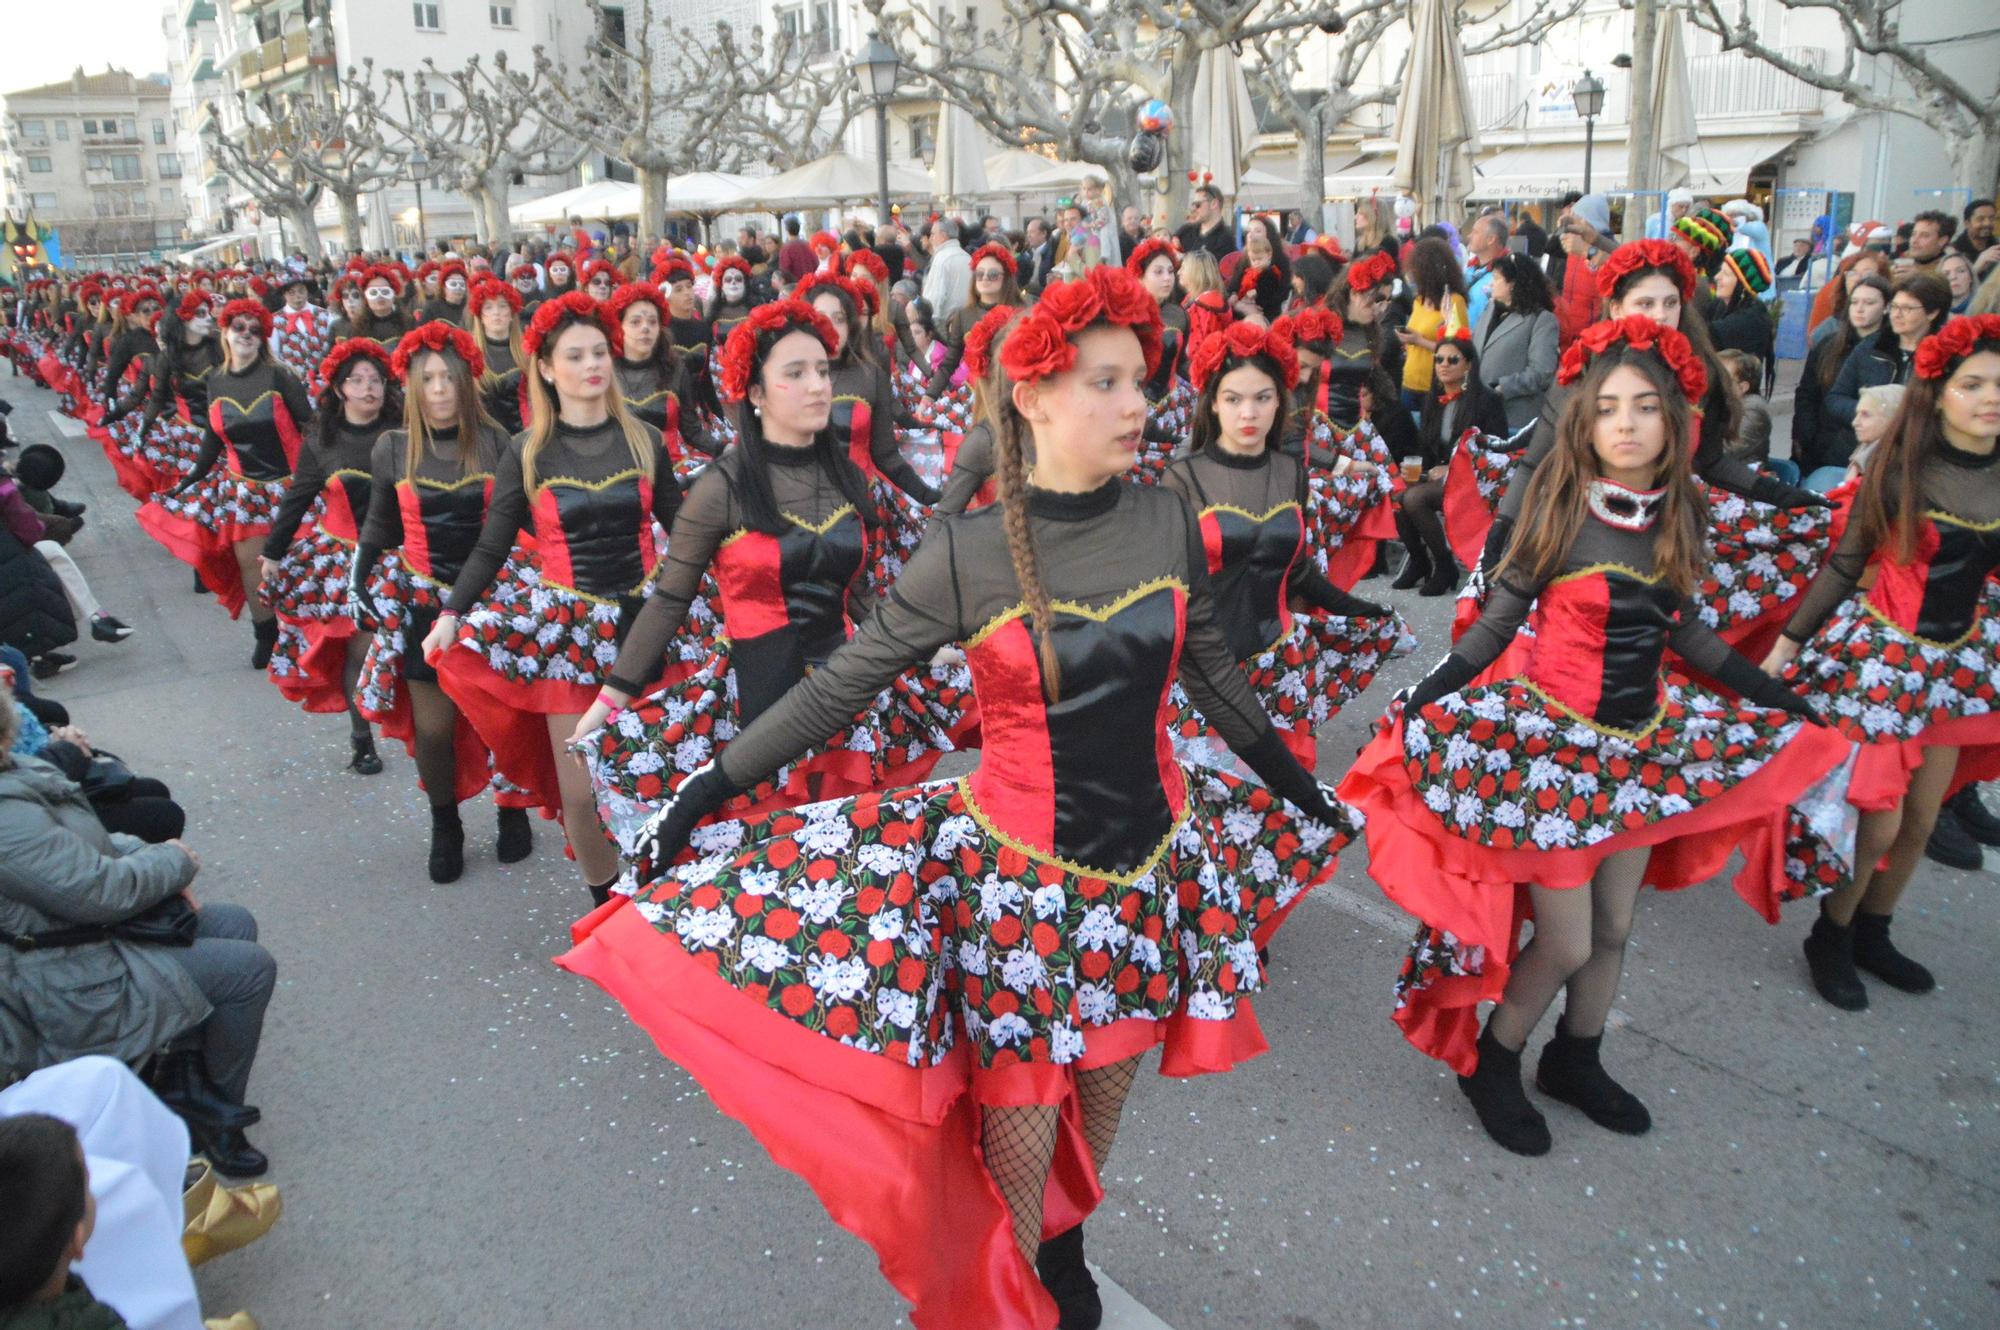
point(853, 430)
point(596, 538)
point(1250, 555)
point(346, 497)
point(784, 600)
point(260, 437)
point(1936, 595)
point(1600, 635)
point(441, 522)
point(1063, 778)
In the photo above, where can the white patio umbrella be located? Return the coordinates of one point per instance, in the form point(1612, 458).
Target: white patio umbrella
point(1265, 183)
point(705, 193)
point(959, 169)
point(1223, 120)
point(1056, 176)
point(1007, 168)
point(600, 198)
point(1672, 112)
point(834, 179)
point(524, 214)
point(1435, 134)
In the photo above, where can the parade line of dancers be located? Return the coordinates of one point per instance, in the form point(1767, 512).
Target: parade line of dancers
point(695, 584)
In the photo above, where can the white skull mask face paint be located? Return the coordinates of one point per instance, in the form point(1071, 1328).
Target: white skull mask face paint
point(732, 286)
point(454, 285)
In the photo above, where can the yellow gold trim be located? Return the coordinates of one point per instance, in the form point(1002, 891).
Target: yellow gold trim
point(1581, 719)
point(351, 471)
point(594, 485)
point(1152, 859)
point(820, 529)
point(597, 600)
point(476, 478)
point(838, 398)
point(1020, 608)
point(648, 401)
point(1650, 579)
point(1909, 636)
point(240, 407)
point(1258, 518)
point(1939, 515)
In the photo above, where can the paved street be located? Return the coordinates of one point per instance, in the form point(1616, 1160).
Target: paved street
point(468, 1138)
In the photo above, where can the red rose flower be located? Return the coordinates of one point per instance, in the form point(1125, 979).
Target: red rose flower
point(979, 342)
point(1036, 348)
point(739, 353)
point(347, 352)
point(1937, 353)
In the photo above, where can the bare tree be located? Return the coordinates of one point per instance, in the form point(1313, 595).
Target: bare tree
point(667, 101)
point(307, 145)
point(1315, 113)
point(1968, 118)
point(477, 127)
point(1073, 73)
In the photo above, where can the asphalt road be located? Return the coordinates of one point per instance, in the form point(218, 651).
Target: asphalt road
point(467, 1137)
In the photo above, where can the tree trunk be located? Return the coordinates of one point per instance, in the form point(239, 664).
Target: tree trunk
point(495, 188)
point(350, 219)
point(652, 200)
point(1312, 167)
point(1639, 171)
point(298, 215)
point(1975, 158)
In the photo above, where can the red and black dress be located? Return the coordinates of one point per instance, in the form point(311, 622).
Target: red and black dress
point(650, 397)
point(970, 483)
point(503, 386)
point(1912, 659)
point(549, 589)
point(412, 547)
point(1590, 749)
point(1303, 667)
point(329, 495)
point(127, 382)
point(854, 979)
point(1170, 399)
point(1349, 506)
point(176, 410)
point(788, 600)
point(864, 425)
point(255, 422)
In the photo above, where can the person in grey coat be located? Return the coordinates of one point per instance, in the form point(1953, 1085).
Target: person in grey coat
point(1516, 337)
point(60, 869)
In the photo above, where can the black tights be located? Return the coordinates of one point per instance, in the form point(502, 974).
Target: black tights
point(350, 677)
point(436, 720)
point(1579, 945)
point(1423, 504)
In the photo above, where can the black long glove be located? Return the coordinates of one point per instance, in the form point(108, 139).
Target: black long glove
point(1767, 488)
point(662, 839)
point(361, 606)
point(1497, 537)
point(1754, 686)
point(1452, 673)
point(1284, 777)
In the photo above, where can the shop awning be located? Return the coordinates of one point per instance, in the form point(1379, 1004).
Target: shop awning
point(1536, 170)
point(1358, 177)
point(1723, 166)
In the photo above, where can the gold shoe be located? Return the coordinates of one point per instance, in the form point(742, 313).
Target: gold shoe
point(194, 1201)
point(240, 1321)
point(233, 1217)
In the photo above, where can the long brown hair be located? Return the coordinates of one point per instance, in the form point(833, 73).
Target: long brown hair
point(1557, 503)
point(1847, 337)
point(1891, 499)
point(1010, 444)
point(472, 415)
point(543, 408)
point(477, 327)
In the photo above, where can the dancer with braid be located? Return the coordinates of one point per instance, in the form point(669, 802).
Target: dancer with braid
point(955, 1108)
point(433, 475)
point(1898, 644)
point(1558, 791)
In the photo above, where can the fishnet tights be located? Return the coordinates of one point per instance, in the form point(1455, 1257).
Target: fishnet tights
point(1019, 1142)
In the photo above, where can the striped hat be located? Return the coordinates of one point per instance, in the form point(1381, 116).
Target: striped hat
point(1707, 229)
point(1752, 269)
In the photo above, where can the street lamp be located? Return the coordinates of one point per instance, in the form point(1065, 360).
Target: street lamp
point(1588, 94)
point(417, 161)
point(877, 64)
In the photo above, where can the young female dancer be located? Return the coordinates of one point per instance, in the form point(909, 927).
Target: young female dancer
point(970, 483)
point(493, 313)
point(320, 647)
point(1908, 666)
point(1560, 791)
point(433, 475)
point(591, 483)
point(650, 372)
point(1080, 878)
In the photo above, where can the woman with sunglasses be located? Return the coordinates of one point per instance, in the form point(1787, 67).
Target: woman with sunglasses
point(1456, 402)
point(218, 519)
point(383, 317)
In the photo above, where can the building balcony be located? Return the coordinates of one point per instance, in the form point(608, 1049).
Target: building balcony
point(261, 65)
point(1495, 99)
point(196, 11)
point(1733, 84)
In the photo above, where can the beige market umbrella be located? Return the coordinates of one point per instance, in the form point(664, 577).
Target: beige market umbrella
point(1672, 111)
point(1435, 134)
point(1223, 121)
point(835, 179)
point(1007, 168)
point(958, 171)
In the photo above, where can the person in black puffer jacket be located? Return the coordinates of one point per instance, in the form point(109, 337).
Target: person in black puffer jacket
point(34, 613)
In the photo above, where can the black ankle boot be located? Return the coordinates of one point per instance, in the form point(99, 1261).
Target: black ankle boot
point(1570, 1070)
point(200, 587)
point(229, 1151)
point(180, 1078)
point(1830, 957)
point(1875, 953)
point(1059, 1263)
point(1418, 566)
point(1502, 1104)
point(1443, 579)
point(517, 835)
point(1974, 817)
point(366, 761)
point(447, 843)
point(600, 892)
point(266, 633)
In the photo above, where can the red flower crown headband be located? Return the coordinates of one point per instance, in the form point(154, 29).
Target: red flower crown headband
point(1149, 249)
point(1955, 341)
point(1313, 326)
point(1641, 255)
point(1040, 344)
point(739, 353)
point(596, 266)
point(570, 304)
point(1241, 341)
point(979, 342)
point(825, 240)
point(352, 349)
point(245, 309)
point(1000, 254)
point(492, 288)
point(446, 271)
point(427, 268)
point(626, 296)
point(863, 260)
point(384, 274)
point(815, 282)
point(193, 303)
point(564, 257)
point(673, 268)
point(732, 263)
point(1369, 273)
point(437, 335)
point(1641, 334)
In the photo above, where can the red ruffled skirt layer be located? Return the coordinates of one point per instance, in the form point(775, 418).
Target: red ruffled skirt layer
point(202, 526)
point(309, 594)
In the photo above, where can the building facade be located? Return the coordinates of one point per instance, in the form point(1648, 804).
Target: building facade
point(95, 156)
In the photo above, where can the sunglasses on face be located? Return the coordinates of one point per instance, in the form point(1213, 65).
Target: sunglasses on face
point(1451, 360)
point(246, 329)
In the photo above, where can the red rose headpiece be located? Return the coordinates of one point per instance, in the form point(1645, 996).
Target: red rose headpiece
point(571, 306)
point(437, 335)
point(868, 261)
point(671, 269)
point(245, 309)
point(596, 266)
point(1369, 273)
point(1041, 343)
point(1000, 254)
point(1241, 341)
point(140, 295)
point(350, 350)
point(493, 289)
point(259, 287)
point(193, 303)
point(1641, 334)
point(979, 342)
point(815, 282)
point(1938, 353)
point(446, 271)
point(1315, 327)
point(386, 275)
point(89, 291)
point(739, 353)
point(867, 295)
point(626, 296)
point(730, 263)
point(1152, 247)
point(426, 269)
point(563, 257)
point(1643, 256)
point(825, 240)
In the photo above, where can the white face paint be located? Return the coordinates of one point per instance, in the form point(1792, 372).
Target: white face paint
point(732, 286)
point(454, 286)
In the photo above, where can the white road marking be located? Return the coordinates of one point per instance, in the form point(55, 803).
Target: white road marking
point(68, 426)
point(1122, 1311)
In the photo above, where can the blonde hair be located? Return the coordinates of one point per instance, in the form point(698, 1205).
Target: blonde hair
point(544, 409)
point(477, 327)
point(1200, 272)
point(1887, 398)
